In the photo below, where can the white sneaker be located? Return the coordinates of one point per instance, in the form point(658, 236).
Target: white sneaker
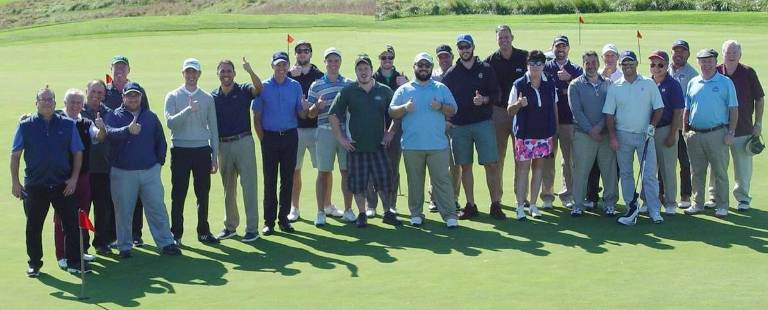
point(63, 263)
point(520, 212)
point(88, 257)
point(644, 208)
point(452, 223)
point(416, 221)
point(349, 215)
point(670, 210)
point(742, 207)
point(370, 212)
point(711, 204)
point(721, 212)
point(588, 205)
point(546, 205)
point(534, 211)
point(320, 220)
point(293, 215)
point(693, 209)
point(656, 217)
point(569, 204)
point(332, 211)
point(684, 204)
point(393, 210)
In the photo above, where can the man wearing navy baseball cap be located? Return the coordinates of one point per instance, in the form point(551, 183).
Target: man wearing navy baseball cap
point(683, 72)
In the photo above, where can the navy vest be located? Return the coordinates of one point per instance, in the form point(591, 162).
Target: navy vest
point(47, 150)
point(534, 121)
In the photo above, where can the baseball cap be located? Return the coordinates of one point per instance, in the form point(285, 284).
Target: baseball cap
point(706, 53)
point(302, 42)
point(388, 49)
point(279, 56)
point(627, 55)
point(560, 39)
point(443, 48)
point(465, 37)
point(423, 56)
point(660, 55)
point(132, 87)
point(331, 50)
point(120, 58)
point(363, 58)
point(191, 63)
point(680, 43)
point(610, 47)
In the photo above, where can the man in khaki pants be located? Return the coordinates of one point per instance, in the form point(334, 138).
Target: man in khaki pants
point(711, 116)
point(237, 151)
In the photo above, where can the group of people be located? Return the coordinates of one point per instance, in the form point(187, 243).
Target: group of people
point(107, 146)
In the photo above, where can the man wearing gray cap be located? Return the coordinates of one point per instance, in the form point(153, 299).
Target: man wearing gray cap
point(444, 55)
point(683, 72)
point(710, 120)
point(423, 105)
point(191, 117)
point(633, 107)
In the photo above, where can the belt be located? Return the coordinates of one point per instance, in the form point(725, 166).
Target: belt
point(707, 129)
point(281, 132)
point(235, 137)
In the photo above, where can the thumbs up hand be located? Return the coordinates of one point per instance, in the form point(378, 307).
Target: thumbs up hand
point(134, 127)
point(523, 101)
point(409, 106)
point(436, 105)
point(99, 122)
point(479, 99)
point(193, 104)
point(320, 103)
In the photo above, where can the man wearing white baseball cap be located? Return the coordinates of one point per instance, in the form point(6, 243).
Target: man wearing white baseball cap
point(610, 69)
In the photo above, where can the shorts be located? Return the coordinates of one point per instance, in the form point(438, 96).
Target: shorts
point(482, 135)
point(328, 149)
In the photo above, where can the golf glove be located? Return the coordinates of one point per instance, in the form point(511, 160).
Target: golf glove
point(651, 131)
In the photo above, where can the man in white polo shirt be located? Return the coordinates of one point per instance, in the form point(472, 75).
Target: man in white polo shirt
point(629, 104)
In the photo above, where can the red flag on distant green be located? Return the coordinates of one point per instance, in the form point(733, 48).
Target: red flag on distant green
point(289, 39)
point(639, 35)
point(108, 79)
point(85, 222)
point(581, 19)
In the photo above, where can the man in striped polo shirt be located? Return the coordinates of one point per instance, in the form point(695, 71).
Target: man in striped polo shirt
point(321, 95)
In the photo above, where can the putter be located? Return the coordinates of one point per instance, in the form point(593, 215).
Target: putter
point(630, 218)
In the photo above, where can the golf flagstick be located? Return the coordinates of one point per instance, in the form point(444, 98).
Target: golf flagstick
point(630, 218)
point(82, 261)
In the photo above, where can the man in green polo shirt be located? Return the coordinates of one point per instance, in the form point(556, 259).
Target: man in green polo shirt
point(365, 102)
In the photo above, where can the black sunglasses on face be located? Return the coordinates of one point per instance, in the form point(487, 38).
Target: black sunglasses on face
point(536, 63)
point(303, 51)
point(424, 65)
point(464, 46)
point(387, 58)
point(658, 65)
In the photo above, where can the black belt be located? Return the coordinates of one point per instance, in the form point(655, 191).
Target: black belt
point(281, 132)
point(235, 137)
point(707, 129)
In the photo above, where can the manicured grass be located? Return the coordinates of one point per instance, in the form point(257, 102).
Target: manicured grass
point(556, 262)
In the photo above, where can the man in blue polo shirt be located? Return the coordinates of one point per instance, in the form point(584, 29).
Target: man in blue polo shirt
point(53, 154)
point(275, 118)
point(137, 151)
point(237, 151)
point(711, 116)
point(423, 105)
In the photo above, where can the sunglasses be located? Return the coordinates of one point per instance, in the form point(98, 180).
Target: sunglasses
point(303, 51)
point(628, 64)
point(464, 46)
point(386, 57)
point(658, 65)
point(535, 63)
point(424, 65)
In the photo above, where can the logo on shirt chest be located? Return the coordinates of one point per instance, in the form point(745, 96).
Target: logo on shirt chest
point(663, 90)
point(480, 75)
point(377, 98)
point(715, 89)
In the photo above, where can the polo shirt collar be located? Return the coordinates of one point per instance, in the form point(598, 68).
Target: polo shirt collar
point(429, 83)
point(584, 79)
point(274, 81)
point(235, 87)
point(624, 81)
point(339, 78)
point(528, 77)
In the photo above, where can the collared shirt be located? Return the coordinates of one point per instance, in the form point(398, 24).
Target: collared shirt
point(391, 82)
point(437, 74)
point(328, 90)
point(366, 112)
point(423, 127)
point(98, 159)
point(551, 68)
point(683, 75)
point(537, 120)
point(135, 152)
point(508, 71)
point(587, 101)
point(114, 97)
point(615, 76)
point(708, 101)
point(189, 128)
point(306, 81)
point(672, 95)
point(748, 90)
point(47, 148)
point(279, 104)
point(633, 103)
point(463, 84)
point(233, 113)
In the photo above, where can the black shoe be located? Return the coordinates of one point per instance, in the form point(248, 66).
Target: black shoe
point(208, 238)
point(468, 212)
point(248, 237)
point(362, 220)
point(171, 250)
point(177, 241)
point(268, 230)
point(125, 254)
point(526, 204)
point(33, 272)
point(391, 219)
point(226, 234)
point(138, 242)
point(458, 207)
point(103, 250)
point(496, 212)
point(286, 227)
point(75, 268)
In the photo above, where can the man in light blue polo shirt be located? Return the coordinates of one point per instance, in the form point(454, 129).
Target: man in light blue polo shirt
point(710, 118)
point(629, 104)
point(423, 105)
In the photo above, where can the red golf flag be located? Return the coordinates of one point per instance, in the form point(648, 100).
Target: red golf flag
point(639, 35)
point(581, 19)
point(289, 39)
point(85, 222)
point(108, 79)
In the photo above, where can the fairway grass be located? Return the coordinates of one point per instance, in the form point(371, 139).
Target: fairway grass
point(556, 262)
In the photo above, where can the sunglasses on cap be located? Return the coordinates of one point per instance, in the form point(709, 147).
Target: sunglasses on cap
point(386, 57)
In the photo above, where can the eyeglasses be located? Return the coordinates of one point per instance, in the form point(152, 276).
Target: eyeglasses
point(658, 65)
point(424, 65)
point(386, 57)
point(464, 46)
point(303, 51)
point(628, 64)
point(535, 63)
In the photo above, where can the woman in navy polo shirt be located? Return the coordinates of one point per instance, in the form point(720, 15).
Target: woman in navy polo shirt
point(533, 103)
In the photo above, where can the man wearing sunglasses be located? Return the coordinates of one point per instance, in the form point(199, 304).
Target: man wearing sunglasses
point(563, 71)
point(633, 108)
point(474, 85)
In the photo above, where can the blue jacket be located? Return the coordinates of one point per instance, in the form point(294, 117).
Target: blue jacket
point(47, 148)
point(135, 152)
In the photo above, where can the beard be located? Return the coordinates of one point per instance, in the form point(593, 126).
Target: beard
point(423, 76)
point(302, 62)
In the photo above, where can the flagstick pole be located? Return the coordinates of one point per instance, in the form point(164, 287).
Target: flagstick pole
point(82, 261)
point(638, 50)
point(579, 34)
